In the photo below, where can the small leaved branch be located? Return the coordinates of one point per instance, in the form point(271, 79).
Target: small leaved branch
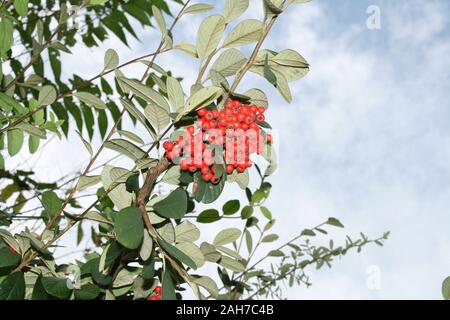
point(69, 198)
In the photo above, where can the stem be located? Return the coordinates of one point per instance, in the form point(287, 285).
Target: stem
point(240, 74)
point(313, 261)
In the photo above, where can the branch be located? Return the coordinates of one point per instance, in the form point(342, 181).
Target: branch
point(240, 74)
point(32, 255)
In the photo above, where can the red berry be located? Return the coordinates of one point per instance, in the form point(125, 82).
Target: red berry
point(248, 120)
point(230, 168)
point(261, 109)
point(260, 118)
point(202, 112)
point(158, 289)
point(240, 169)
point(269, 138)
point(209, 116)
point(245, 109)
point(205, 169)
point(207, 177)
point(168, 145)
point(235, 104)
point(254, 108)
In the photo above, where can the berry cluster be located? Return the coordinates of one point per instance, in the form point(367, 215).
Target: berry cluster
point(158, 294)
point(225, 136)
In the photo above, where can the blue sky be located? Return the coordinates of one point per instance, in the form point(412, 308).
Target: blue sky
point(366, 139)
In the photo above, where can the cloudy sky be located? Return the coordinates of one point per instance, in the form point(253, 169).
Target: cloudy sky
point(366, 139)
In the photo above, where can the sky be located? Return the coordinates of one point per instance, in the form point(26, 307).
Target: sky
point(366, 138)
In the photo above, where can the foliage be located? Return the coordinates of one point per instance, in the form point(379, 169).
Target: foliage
point(142, 238)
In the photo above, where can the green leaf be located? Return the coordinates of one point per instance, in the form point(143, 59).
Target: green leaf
point(129, 227)
point(148, 94)
point(167, 232)
point(86, 144)
point(186, 232)
point(88, 291)
point(231, 207)
point(111, 59)
point(157, 116)
point(242, 179)
point(209, 34)
point(226, 236)
point(168, 287)
point(159, 19)
point(8, 260)
point(30, 129)
point(187, 48)
point(192, 251)
point(335, 222)
point(131, 108)
point(147, 247)
point(123, 279)
point(234, 9)
point(173, 206)
point(7, 103)
point(248, 240)
point(231, 264)
point(210, 253)
point(201, 98)
point(246, 212)
point(47, 95)
point(21, 7)
point(6, 36)
point(270, 238)
point(96, 216)
point(208, 216)
point(266, 212)
point(97, 2)
point(15, 141)
point(175, 94)
point(90, 100)
point(275, 253)
point(52, 204)
point(229, 62)
point(446, 288)
point(246, 32)
point(257, 97)
point(39, 292)
point(172, 176)
point(176, 253)
point(132, 136)
point(308, 233)
point(271, 8)
point(208, 284)
point(198, 8)
point(56, 287)
point(87, 181)
point(126, 148)
point(13, 287)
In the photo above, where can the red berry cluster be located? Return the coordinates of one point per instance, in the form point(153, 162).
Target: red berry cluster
point(231, 134)
point(158, 294)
